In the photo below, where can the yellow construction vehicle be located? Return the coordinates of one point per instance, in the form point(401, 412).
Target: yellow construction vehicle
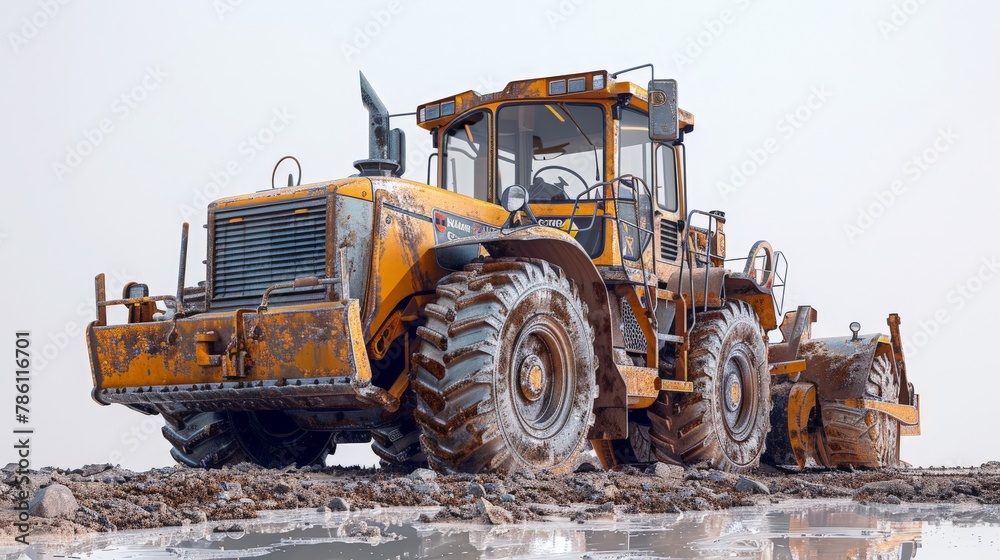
point(554, 291)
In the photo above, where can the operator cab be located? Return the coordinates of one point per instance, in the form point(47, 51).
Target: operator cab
point(552, 136)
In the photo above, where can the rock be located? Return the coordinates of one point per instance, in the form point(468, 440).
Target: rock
point(358, 528)
point(157, 507)
point(423, 475)
point(493, 487)
point(323, 509)
point(228, 529)
point(247, 501)
point(339, 504)
point(230, 491)
point(702, 504)
point(585, 467)
point(194, 515)
point(282, 488)
point(527, 475)
point(692, 474)
point(427, 487)
point(54, 500)
point(969, 489)
point(719, 476)
point(495, 514)
point(475, 490)
point(896, 488)
point(665, 471)
point(509, 498)
point(91, 470)
point(752, 486)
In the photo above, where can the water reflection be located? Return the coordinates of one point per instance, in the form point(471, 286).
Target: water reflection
point(802, 530)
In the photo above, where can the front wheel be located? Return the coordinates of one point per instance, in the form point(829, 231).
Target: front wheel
point(726, 419)
point(863, 437)
point(506, 370)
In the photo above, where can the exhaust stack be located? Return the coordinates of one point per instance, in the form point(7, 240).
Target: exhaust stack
point(386, 148)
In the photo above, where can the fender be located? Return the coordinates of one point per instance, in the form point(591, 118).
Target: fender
point(839, 366)
point(562, 250)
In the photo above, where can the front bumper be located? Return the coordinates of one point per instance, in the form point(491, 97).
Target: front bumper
point(297, 357)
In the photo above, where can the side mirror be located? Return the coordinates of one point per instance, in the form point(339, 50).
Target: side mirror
point(663, 110)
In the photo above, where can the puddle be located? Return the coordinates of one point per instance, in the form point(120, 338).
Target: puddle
point(796, 530)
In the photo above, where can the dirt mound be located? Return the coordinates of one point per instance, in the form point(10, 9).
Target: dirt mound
point(110, 498)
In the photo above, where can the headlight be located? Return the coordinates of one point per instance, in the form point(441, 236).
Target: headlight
point(135, 290)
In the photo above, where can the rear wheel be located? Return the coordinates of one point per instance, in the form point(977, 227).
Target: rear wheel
point(269, 438)
point(865, 437)
point(506, 370)
point(725, 420)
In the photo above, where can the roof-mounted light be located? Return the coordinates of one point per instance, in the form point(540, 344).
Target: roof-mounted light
point(597, 81)
point(576, 85)
point(447, 108)
point(557, 87)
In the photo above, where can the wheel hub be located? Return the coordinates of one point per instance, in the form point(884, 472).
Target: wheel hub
point(531, 378)
point(735, 393)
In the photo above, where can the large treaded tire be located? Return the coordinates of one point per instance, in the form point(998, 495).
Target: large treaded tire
point(213, 440)
point(726, 419)
point(202, 439)
point(505, 374)
point(864, 438)
point(398, 445)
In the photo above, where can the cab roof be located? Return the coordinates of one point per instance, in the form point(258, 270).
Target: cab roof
point(594, 85)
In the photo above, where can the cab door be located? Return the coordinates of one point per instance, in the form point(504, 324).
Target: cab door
point(668, 215)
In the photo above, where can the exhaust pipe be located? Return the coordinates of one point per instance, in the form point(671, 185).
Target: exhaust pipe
point(386, 148)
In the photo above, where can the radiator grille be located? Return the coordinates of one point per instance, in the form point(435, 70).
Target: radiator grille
point(669, 242)
point(635, 339)
point(258, 246)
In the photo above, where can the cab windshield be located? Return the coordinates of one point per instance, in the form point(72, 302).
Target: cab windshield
point(555, 150)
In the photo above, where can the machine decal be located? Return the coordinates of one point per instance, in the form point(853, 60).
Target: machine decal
point(448, 227)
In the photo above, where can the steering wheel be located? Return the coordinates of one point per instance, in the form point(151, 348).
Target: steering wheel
point(561, 168)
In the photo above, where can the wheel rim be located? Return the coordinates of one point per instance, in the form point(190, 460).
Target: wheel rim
point(542, 376)
point(739, 393)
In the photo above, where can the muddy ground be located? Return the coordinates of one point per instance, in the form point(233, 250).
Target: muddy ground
point(109, 498)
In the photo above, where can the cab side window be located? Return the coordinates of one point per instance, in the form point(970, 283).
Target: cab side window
point(466, 156)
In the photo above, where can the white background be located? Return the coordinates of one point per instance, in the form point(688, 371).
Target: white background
point(199, 78)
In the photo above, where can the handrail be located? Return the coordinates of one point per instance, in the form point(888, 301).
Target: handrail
point(686, 256)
